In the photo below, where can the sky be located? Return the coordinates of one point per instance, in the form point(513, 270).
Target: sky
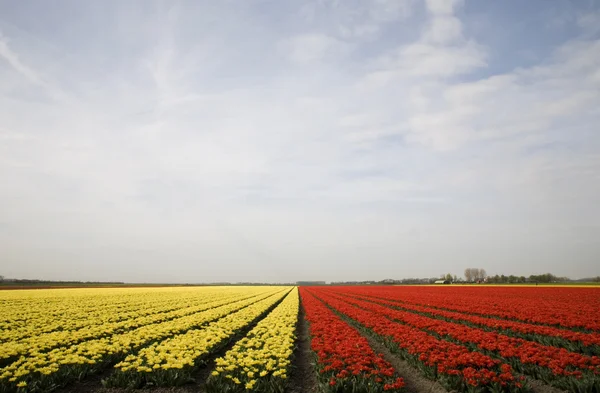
point(276, 141)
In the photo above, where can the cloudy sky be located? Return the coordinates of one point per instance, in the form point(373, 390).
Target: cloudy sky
point(267, 140)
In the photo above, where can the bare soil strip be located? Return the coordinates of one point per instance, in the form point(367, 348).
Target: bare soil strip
point(303, 378)
point(540, 387)
point(90, 384)
point(414, 380)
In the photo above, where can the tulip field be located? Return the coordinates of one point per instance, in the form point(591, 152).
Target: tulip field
point(321, 339)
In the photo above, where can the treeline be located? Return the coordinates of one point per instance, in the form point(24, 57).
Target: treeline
point(389, 281)
point(23, 282)
point(20, 282)
point(541, 278)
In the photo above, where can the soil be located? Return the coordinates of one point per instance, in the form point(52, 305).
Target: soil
point(414, 380)
point(417, 383)
point(92, 383)
point(303, 378)
point(540, 387)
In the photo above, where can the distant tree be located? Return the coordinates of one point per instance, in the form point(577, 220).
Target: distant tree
point(542, 278)
point(597, 279)
point(1, 278)
point(455, 278)
point(469, 274)
point(448, 277)
point(533, 278)
point(481, 274)
point(475, 274)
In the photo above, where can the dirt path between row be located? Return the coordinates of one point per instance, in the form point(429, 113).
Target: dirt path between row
point(414, 380)
point(303, 378)
point(416, 383)
point(540, 387)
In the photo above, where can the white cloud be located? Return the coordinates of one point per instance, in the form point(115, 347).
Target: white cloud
point(521, 102)
point(289, 144)
point(12, 58)
point(442, 7)
point(314, 48)
point(441, 51)
point(589, 22)
point(351, 20)
point(443, 30)
point(429, 60)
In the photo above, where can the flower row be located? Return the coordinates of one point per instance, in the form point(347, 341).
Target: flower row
point(577, 341)
point(172, 361)
point(26, 315)
point(559, 360)
point(455, 366)
point(345, 361)
point(552, 365)
point(261, 360)
point(43, 369)
point(97, 329)
point(574, 308)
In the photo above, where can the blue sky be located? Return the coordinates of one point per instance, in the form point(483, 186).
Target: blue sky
point(261, 140)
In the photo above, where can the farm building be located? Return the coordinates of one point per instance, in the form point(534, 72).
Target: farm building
point(442, 282)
